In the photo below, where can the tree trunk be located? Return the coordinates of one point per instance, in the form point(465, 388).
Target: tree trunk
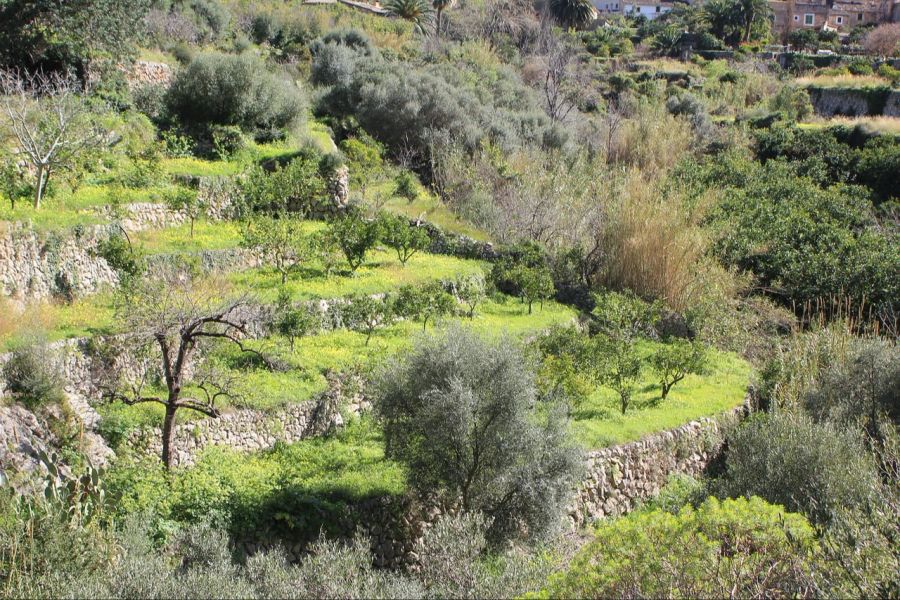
point(39, 186)
point(665, 389)
point(440, 14)
point(168, 436)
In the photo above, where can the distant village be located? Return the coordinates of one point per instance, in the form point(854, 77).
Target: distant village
point(787, 15)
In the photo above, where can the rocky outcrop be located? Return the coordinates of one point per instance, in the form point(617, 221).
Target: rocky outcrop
point(22, 438)
point(145, 73)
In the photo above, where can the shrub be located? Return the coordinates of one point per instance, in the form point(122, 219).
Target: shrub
point(279, 242)
point(806, 242)
point(861, 389)
point(804, 466)
point(34, 375)
point(365, 314)
point(405, 106)
point(470, 291)
point(451, 410)
point(227, 140)
point(744, 548)
point(220, 89)
point(297, 187)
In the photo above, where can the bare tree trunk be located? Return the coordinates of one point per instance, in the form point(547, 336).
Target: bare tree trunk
point(39, 186)
point(168, 436)
point(440, 14)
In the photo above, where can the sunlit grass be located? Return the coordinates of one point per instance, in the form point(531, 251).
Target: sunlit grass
point(600, 422)
point(844, 81)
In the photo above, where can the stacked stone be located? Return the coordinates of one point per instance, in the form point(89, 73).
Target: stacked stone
point(619, 478)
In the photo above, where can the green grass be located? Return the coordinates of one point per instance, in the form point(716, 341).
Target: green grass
point(338, 350)
point(430, 208)
point(381, 273)
point(57, 321)
point(600, 423)
point(207, 236)
point(294, 489)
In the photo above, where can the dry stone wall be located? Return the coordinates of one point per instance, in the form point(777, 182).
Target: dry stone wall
point(39, 265)
point(850, 102)
point(620, 477)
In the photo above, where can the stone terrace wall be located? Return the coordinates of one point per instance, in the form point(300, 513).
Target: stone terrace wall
point(829, 102)
point(616, 480)
point(39, 265)
point(620, 477)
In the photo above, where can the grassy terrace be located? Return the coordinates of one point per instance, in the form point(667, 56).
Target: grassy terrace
point(342, 350)
point(600, 423)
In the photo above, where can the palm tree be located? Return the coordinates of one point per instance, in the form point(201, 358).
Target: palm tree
point(417, 11)
point(572, 14)
point(439, 7)
point(750, 10)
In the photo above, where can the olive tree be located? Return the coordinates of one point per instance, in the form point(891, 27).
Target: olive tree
point(460, 411)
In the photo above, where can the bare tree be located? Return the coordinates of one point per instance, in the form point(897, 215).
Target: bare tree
point(168, 322)
point(562, 84)
point(46, 114)
point(884, 40)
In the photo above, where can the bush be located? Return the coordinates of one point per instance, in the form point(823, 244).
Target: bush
point(460, 412)
point(863, 389)
point(297, 187)
point(220, 89)
point(404, 238)
point(734, 548)
point(34, 375)
point(405, 106)
point(804, 466)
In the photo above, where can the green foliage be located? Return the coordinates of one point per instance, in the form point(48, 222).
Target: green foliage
point(572, 14)
point(279, 241)
point(804, 466)
point(406, 239)
point(406, 106)
point(569, 364)
point(677, 359)
point(297, 187)
point(117, 251)
point(804, 242)
point(294, 490)
point(221, 89)
point(405, 186)
point(734, 547)
point(13, 183)
point(33, 375)
point(355, 236)
point(523, 272)
point(187, 202)
point(622, 317)
point(793, 102)
point(425, 302)
point(450, 409)
point(227, 140)
point(470, 290)
point(292, 322)
point(418, 12)
point(50, 36)
point(365, 314)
